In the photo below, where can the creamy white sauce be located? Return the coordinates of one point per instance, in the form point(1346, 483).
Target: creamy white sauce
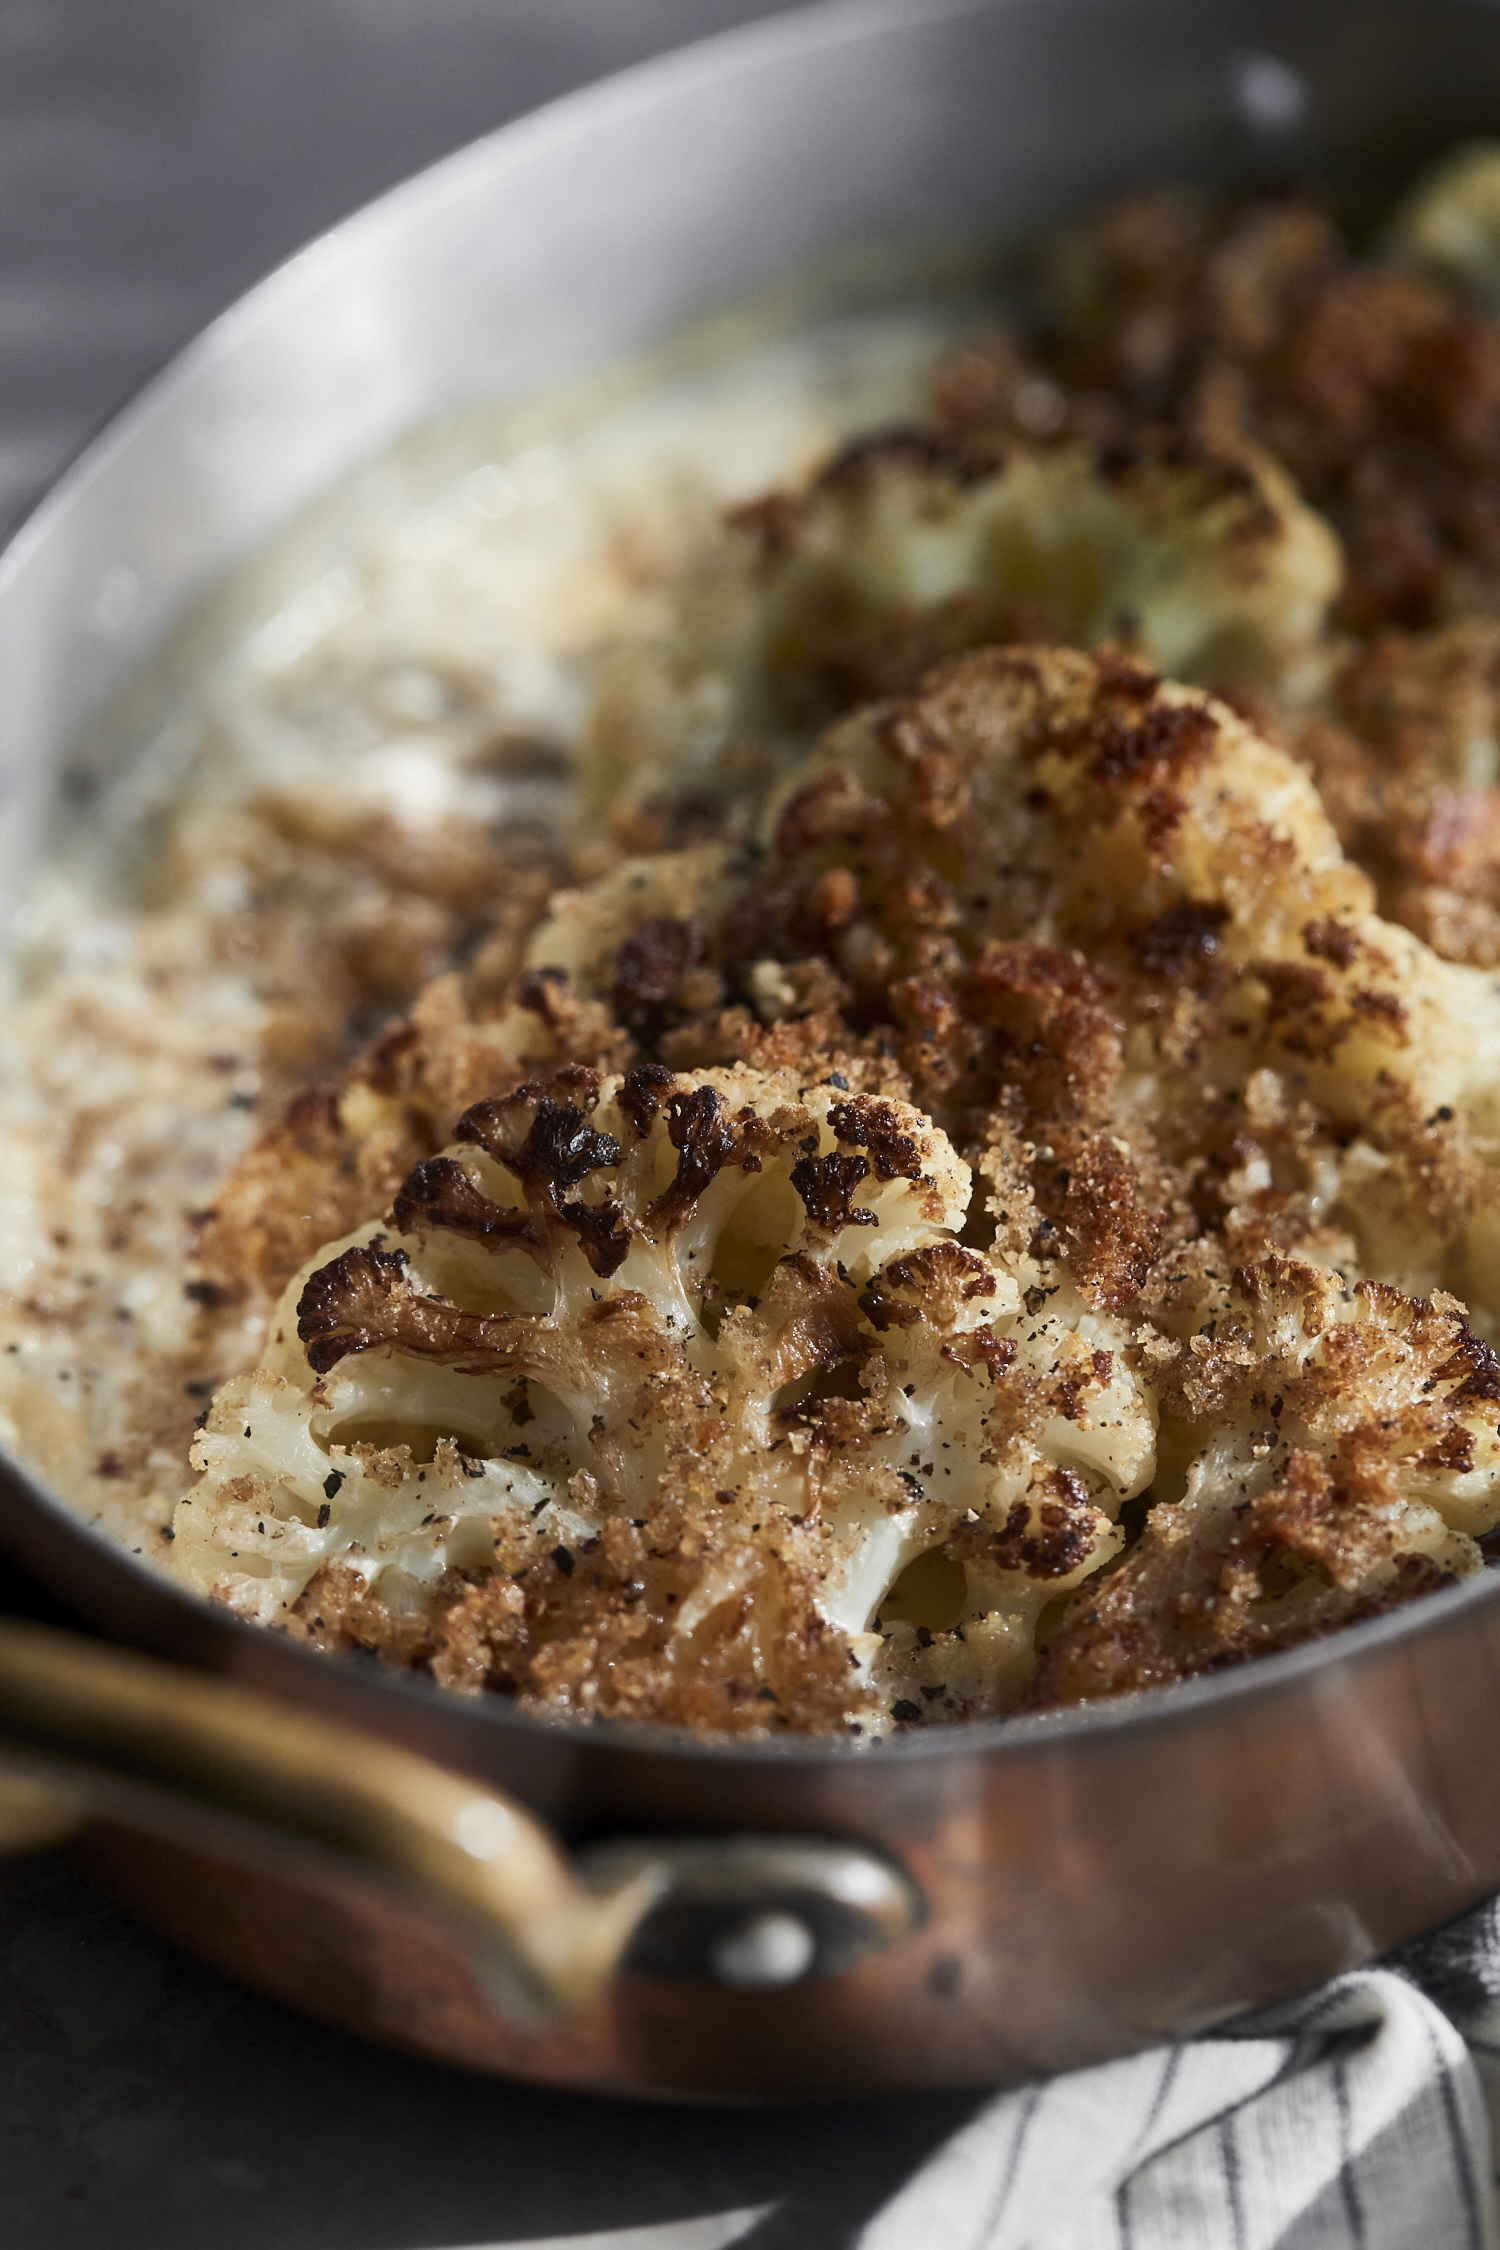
point(470, 589)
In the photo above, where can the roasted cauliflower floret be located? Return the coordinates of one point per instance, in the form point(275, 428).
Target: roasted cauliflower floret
point(1107, 932)
point(1406, 755)
point(1106, 807)
point(910, 547)
point(1249, 321)
point(1448, 229)
point(1099, 906)
point(1062, 900)
point(649, 1391)
point(1356, 1460)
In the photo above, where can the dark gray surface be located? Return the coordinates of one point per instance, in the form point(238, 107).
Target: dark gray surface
point(155, 156)
point(145, 2101)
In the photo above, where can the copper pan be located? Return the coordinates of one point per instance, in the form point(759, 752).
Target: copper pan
point(619, 1908)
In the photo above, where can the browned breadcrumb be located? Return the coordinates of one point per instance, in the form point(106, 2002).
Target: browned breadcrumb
point(1252, 319)
point(1040, 896)
point(697, 1596)
point(1310, 1535)
point(590, 1631)
point(1405, 759)
point(336, 1157)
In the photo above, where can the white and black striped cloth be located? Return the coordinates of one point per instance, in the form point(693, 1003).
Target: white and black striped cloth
point(1357, 2119)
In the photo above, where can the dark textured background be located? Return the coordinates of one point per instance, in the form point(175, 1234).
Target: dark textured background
point(155, 156)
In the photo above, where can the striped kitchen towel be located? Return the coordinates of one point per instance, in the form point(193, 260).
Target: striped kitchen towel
point(1356, 2119)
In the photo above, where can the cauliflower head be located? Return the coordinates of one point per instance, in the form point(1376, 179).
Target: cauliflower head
point(651, 1393)
point(1036, 1115)
point(1102, 914)
point(1105, 932)
point(1352, 1461)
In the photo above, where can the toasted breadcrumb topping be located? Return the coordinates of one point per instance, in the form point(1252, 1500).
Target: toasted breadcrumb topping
point(969, 1180)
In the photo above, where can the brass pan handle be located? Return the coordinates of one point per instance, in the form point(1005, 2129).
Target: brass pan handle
point(91, 1731)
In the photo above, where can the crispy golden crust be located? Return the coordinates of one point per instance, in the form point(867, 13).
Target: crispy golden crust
point(589, 1631)
point(710, 1455)
point(1405, 759)
point(1302, 1520)
point(1251, 321)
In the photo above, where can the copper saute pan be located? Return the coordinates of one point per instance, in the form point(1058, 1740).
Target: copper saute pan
point(625, 1909)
